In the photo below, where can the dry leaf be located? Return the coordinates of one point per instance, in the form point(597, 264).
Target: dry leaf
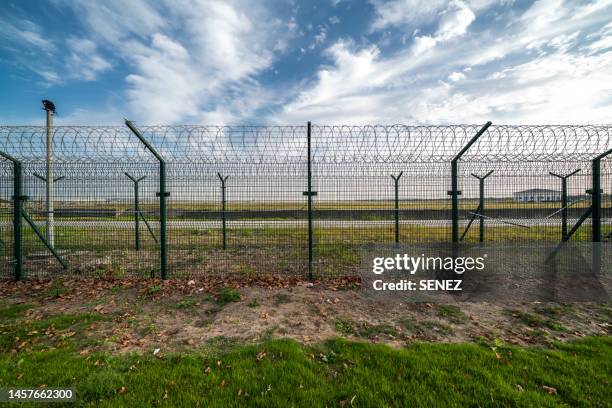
point(121, 390)
point(550, 390)
point(261, 355)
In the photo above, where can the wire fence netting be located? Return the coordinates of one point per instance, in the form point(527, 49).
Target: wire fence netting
point(238, 198)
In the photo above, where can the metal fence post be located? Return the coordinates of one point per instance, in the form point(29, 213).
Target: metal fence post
point(49, 107)
point(17, 207)
point(454, 193)
point(481, 204)
point(564, 201)
point(310, 255)
point(596, 211)
point(162, 194)
point(223, 219)
point(136, 208)
point(396, 183)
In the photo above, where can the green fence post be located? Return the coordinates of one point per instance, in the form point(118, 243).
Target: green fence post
point(396, 183)
point(596, 211)
point(223, 219)
point(136, 208)
point(310, 194)
point(481, 204)
point(454, 193)
point(162, 194)
point(18, 197)
point(564, 201)
point(310, 254)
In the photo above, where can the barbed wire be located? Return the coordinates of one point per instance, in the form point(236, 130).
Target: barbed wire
point(330, 144)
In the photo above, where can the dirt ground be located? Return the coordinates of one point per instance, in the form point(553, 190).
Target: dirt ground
point(143, 315)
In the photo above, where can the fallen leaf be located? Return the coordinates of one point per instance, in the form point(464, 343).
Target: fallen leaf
point(550, 390)
point(156, 351)
point(121, 390)
point(261, 355)
point(519, 387)
point(207, 370)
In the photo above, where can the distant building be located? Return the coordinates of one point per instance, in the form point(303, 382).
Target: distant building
point(537, 195)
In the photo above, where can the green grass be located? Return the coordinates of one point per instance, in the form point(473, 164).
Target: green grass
point(363, 329)
point(281, 373)
point(452, 313)
point(13, 311)
point(537, 321)
point(227, 295)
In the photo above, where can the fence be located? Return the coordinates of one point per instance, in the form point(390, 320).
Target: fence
point(296, 200)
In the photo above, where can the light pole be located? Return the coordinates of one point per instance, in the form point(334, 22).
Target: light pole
point(50, 108)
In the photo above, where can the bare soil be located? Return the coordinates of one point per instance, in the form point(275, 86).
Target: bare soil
point(144, 314)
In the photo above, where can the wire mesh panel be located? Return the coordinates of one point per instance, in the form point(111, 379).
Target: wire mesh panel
point(238, 198)
point(7, 261)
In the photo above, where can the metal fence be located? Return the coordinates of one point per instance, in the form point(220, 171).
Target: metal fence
point(295, 200)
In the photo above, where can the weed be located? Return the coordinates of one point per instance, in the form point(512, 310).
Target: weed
point(228, 295)
point(187, 302)
point(281, 298)
point(253, 303)
point(452, 313)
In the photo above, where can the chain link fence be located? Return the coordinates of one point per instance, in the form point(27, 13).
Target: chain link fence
point(238, 198)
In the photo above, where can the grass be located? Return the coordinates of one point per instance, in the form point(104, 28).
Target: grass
point(227, 295)
point(279, 373)
point(187, 303)
point(425, 327)
point(363, 329)
point(281, 299)
point(538, 322)
point(452, 313)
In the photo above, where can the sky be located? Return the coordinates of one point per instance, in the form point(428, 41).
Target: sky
point(287, 62)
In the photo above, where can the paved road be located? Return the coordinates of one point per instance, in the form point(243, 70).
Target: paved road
point(527, 223)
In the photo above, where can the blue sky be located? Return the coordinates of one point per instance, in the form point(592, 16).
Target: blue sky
point(287, 62)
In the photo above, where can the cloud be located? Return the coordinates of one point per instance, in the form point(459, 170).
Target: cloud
point(454, 22)
point(563, 78)
point(185, 57)
point(456, 76)
point(404, 12)
point(25, 33)
point(84, 62)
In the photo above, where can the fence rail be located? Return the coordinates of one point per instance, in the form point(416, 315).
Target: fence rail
point(300, 200)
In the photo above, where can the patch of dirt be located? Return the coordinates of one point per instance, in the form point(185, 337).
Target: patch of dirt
point(146, 314)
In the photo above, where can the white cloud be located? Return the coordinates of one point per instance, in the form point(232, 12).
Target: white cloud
point(567, 81)
point(84, 62)
point(25, 33)
point(456, 76)
point(187, 56)
point(405, 12)
point(454, 22)
point(419, 13)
